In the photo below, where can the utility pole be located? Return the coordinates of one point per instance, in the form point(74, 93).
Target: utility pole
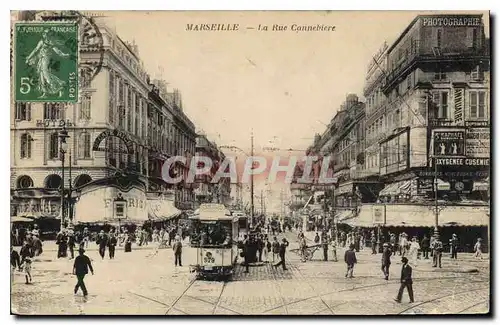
point(252, 211)
point(261, 201)
point(436, 206)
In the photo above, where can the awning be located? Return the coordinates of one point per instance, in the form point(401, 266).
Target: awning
point(396, 188)
point(418, 215)
point(464, 216)
point(481, 186)
point(159, 210)
point(344, 215)
point(20, 219)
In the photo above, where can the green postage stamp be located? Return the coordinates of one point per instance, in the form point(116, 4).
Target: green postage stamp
point(46, 61)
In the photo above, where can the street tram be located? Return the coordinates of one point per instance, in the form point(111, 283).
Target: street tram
point(214, 238)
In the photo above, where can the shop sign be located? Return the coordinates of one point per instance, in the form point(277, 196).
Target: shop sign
point(477, 124)
point(53, 123)
point(462, 161)
point(378, 214)
point(454, 174)
point(113, 133)
point(462, 186)
point(477, 142)
point(448, 143)
point(425, 185)
point(39, 207)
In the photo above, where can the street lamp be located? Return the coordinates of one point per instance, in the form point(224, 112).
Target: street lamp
point(63, 148)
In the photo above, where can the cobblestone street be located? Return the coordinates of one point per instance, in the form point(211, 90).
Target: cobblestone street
point(143, 283)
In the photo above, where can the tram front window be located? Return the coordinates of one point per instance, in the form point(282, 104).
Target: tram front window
point(211, 234)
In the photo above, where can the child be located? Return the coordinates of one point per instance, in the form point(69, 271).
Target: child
point(477, 249)
point(27, 269)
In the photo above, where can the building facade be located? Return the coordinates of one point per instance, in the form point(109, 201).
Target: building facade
point(206, 191)
point(121, 125)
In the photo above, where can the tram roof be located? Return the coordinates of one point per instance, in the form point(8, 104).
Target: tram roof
point(212, 212)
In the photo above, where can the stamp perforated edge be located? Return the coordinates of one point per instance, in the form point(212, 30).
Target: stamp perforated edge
point(13, 60)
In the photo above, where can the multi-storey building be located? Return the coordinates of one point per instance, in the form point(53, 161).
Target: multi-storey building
point(207, 191)
point(435, 110)
point(121, 125)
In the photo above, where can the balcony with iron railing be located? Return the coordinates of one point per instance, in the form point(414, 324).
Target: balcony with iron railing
point(423, 51)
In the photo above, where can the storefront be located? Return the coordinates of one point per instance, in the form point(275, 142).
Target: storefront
point(467, 221)
point(162, 210)
point(41, 206)
point(112, 204)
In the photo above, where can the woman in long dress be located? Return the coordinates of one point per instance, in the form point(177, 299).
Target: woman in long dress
point(48, 83)
point(413, 251)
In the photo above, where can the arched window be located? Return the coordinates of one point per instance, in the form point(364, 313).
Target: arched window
point(53, 181)
point(84, 146)
point(54, 145)
point(26, 140)
point(85, 107)
point(82, 179)
point(24, 181)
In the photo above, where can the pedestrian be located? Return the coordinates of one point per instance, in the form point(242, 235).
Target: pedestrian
point(102, 241)
point(374, 243)
point(71, 243)
point(81, 268)
point(477, 249)
point(316, 239)
point(437, 252)
point(413, 251)
point(431, 245)
point(386, 260)
point(112, 242)
point(246, 252)
point(303, 248)
point(62, 243)
point(350, 260)
point(425, 247)
point(454, 246)
point(25, 251)
point(27, 269)
point(177, 248)
point(127, 247)
point(267, 249)
point(15, 260)
point(260, 247)
point(37, 245)
point(404, 244)
point(282, 254)
point(334, 249)
point(406, 280)
point(275, 248)
point(324, 243)
point(85, 237)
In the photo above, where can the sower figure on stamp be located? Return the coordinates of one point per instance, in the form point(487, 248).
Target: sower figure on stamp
point(406, 280)
point(80, 269)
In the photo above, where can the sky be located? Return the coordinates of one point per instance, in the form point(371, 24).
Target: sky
point(282, 85)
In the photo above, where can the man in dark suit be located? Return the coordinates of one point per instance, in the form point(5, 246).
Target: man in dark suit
point(80, 269)
point(350, 260)
point(102, 241)
point(177, 248)
point(425, 247)
point(112, 242)
point(406, 280)
point(282, 253)
point(386, 260)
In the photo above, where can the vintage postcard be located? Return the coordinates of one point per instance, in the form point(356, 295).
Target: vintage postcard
point(250, 163)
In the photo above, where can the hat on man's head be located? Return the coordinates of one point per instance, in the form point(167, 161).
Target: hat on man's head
point(385, 245)
point(101, 232)
point(404, 260)
point(81, 250)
